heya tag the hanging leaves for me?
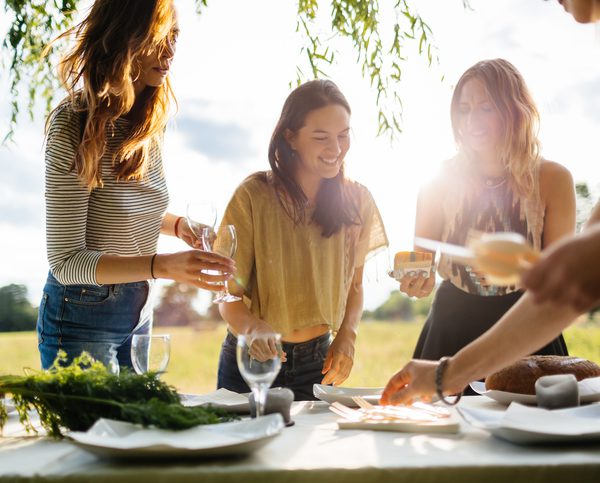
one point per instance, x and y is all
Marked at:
(34, 24)
(381, 60)
(380, 55)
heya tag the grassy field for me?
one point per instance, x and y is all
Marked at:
(382, 348)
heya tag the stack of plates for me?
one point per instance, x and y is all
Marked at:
(529, 425)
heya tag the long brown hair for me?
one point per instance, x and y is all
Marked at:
(98, 74)
(334, 205)
(520, 149)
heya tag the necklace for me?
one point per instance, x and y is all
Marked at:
(494, 182)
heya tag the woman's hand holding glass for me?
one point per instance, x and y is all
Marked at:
(191, 267)
(263, 347)
(199, 215)
(259, 372)
(196, 267)
(224, 242)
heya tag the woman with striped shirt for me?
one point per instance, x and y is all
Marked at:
(106, 196)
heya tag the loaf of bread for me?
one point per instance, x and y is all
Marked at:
(520, 377)
(416, 263)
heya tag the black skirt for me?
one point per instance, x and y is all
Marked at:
(457, 318)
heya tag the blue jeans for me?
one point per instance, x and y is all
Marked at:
(96, 319)
(301, 370)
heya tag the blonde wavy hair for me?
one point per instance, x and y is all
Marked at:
(520, 147)
(99, 74)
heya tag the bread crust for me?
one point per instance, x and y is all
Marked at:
(520, 377)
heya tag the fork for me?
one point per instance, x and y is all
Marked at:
(440, 412)
(363, 403)
(345, 411)
(423, 412)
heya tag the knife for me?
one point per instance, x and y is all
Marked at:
(506, 249)
(458, 253)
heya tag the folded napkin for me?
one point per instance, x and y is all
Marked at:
(221, 397)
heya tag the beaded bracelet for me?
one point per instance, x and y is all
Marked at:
(152, 266)
(439, 373)
(177, 226)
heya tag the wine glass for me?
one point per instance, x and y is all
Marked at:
(200, 215)
(106, 353)
(224, 242)
(259, 375)
(150, 353)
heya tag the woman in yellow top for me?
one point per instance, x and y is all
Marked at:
(304, 231)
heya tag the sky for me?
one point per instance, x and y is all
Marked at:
(232, 72)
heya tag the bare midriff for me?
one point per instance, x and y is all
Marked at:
(308, 333)
(300, 335)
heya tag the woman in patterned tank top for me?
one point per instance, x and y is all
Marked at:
(497, 182)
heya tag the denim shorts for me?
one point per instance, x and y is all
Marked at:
(96, 319)
(301, 370)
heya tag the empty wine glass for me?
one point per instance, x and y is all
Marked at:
(200, 215)
(103, 352)
(150, 353)
(259, 375)
(224, 242)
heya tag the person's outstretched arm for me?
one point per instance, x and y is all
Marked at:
(525, 328)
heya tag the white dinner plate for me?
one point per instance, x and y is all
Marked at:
(221, 398)
(344, 395)
(573, 425)
(589, 392)
(121, 440)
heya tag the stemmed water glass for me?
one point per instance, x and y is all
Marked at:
(200, 215)
(259, 375)
(150, 353)
(224, 242)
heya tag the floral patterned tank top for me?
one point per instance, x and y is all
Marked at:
(472, 206)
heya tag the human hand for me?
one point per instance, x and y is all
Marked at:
(189, 267)
(416, 380)
(186, 234)
(418, 285)
(263, 347)
(568, 273)
(340, 359)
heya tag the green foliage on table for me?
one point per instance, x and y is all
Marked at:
(380, 54)
(75, 396)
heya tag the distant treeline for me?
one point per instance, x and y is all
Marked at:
(176, 308)
(16, 312)
(399, 307)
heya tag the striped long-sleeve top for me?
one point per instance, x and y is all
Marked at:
(120, 218)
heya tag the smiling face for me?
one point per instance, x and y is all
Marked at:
(154, 65)
(479, 122)
(320, 144)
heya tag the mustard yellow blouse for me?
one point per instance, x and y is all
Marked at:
(292, 277)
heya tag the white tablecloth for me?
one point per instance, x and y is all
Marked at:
(315, 450)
